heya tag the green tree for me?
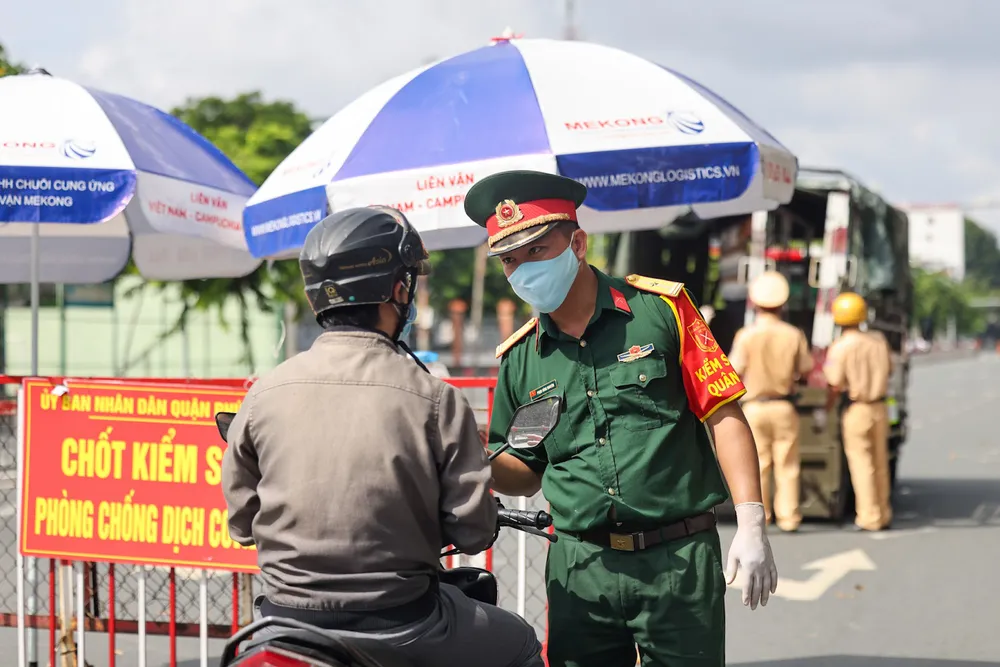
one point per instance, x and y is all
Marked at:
(256, 135)
(7, 66)
(982, 256)
(937, 298)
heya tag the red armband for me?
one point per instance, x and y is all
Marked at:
(709, 379)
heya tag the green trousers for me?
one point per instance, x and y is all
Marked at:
(669, 600)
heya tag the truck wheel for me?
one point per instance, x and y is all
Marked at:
(844, 511)
(895, 449)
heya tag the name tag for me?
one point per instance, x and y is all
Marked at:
(544, 389)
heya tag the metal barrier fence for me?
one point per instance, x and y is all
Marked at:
(145, 600)
(112, 598)
(8, 497)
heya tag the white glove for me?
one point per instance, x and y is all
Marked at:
(751, 552)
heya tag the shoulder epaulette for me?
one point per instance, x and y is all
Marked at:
(516, 336)
(655, 285)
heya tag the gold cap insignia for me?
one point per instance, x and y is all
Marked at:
(508, 213)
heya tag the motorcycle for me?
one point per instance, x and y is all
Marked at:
(292, 643)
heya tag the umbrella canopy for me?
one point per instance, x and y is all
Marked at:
(111, 177)
(648, 142)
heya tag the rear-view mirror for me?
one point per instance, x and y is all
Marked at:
(223, 420)
(531, 423)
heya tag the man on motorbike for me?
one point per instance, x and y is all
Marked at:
(349, 466)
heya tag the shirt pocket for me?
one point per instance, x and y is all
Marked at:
(638, 383)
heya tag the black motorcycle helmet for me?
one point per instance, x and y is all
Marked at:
(355, 257)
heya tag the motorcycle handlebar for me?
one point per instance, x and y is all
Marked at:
(523, 518)
(526, 521)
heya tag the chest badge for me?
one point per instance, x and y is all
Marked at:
(551, 385)
(636, 352)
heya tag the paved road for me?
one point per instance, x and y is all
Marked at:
(921, 595)
(933, 599)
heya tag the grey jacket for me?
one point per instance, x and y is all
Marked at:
(350, 467)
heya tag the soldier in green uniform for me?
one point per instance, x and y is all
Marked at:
(629, 471)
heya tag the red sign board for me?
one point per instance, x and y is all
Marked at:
(129, 474)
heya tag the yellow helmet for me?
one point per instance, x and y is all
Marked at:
(769, 290)
(849, 310)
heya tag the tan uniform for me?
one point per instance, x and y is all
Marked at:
(860, 364)
(770, 355)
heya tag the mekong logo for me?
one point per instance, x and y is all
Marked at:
(76, 149)
(685, 122)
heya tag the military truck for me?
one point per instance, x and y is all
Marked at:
(835, 235)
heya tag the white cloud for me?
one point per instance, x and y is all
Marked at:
(925, 132)
(319, 53)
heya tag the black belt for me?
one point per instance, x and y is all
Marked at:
(764, 399)
(358, 621)
(638, 541)
(872, 402)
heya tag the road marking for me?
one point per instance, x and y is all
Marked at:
(979, 515)
(985, 513)
(957, 523)
(893, 534)
(830, 571)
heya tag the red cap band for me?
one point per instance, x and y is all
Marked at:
(518, 214)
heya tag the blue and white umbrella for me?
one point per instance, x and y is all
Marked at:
(648, 142)
(109, 177)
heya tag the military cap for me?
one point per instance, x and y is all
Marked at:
(518, 207)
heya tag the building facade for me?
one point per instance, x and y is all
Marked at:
(937, 238)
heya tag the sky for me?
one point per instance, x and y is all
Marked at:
(904, 94)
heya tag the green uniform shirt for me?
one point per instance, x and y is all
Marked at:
(630, 446)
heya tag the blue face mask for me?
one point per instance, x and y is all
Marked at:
(411, 317)
(544, 285)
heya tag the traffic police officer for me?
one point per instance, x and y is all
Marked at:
(858, 364)
(770, 356)
(629, 471)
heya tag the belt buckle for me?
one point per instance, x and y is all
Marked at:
(626, 541)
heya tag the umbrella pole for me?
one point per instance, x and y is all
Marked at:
(35, 270)
(32, 574)
(186, 350)
(478, 285)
